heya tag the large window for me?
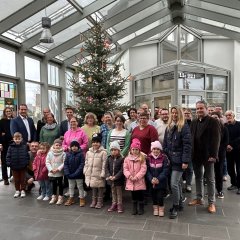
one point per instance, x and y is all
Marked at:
(54, 105)
(143, 85)
(216, 83)
(32, 69)
(33, 100)
(69, 91)
(7, 62)
(191, 81)
(163, 82)
(53, 75)
(143, 99)
(219, 99)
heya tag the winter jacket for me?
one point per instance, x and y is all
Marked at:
(133, 167)
(73, 165)
(94, 169)
(55, 160)
(177, 146)
(39, 167)
(114, 167)
(78, 135)
(158, 168)
(17, 156)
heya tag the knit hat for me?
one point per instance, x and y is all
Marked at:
(97, 137)
(156, 144)
(74, 143)
(136, 144)
(58, 141)
(115, 145)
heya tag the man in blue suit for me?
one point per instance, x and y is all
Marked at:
(23, 124)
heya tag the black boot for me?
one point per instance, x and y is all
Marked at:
(181, 205)
(173, 212)
(134, 210)
(141, 208)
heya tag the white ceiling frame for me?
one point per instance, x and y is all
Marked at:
(234, 4)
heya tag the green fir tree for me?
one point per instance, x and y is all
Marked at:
(98, 86)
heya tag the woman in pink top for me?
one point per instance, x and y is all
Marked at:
(77, 134)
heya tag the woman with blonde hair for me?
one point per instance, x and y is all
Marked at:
(90, 127)
(177, 146)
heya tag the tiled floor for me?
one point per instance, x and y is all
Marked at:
(25, 219)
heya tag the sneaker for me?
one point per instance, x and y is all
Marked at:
(220, 195)
(211, 208)
(60, 200)
(40, 197)
(196, 202)
(224, 178)
(67, 194)
(46, 198)
(17, 194)
(53, 199)
(232, 187)
(23, 194)
(189, 188)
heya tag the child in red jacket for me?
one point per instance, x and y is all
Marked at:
(41, 171)
(134, 169)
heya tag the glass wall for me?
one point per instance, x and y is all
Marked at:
(190, 80)
(54, 103)
(163, 81)
(7, 62)
(53, 75)
(32, 69)
(143, 85)
(69, 91)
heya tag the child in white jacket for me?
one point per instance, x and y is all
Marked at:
(54, 163)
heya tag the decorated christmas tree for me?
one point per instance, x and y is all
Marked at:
(98, 85)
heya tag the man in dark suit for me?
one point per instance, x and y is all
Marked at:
(206, 135)
(23, 124)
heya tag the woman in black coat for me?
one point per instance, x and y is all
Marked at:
(5, 140)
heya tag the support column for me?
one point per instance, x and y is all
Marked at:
(44, 80)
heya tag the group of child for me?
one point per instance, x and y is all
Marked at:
(94, 169)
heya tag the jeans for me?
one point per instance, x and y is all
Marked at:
(210, 177)
(46, 189)
(188, 174)
(72, 183)
(225, 172)
(176, 186)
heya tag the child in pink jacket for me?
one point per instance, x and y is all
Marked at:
(41, 171)
(134, 169)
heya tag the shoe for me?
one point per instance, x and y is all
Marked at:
(46, 198)
(134, 208)
(161, 211)
(99, 204)
(40, 197)
(113, 207)
(60, 200)
(6, 182)
(141, 208)
(11, 179)
(69, 202)
(82, 202)
(155, 210)
(173, 212)
(196, 202)
(232, 187)
(53, 199)
(23, 194)
(94, 202)
(220, 195)
(17, 194)
(181, 204)
(224, 178)
(238, 191)
(189, 188)
(211, 208)
(120, 208)
(67, 194)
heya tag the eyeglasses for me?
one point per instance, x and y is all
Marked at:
(143, 118)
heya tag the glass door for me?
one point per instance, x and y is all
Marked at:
(162, 100)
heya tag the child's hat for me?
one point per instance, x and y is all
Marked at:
(115, 145)
(58, 141)
(156, 144)
(74, 143)
(136, 144)
(97, 137)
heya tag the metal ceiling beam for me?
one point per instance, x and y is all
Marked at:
(212, 29)
(68, 21)
(234, 4)
(22, 14)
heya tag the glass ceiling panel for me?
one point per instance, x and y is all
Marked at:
(72, 51)
(9, 7)
(33, 25)
(84, 3)
(139, 16)
(145, 29)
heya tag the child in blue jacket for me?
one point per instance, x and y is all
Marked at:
(73, 170)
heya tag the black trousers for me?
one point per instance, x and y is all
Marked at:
(138, 195)
(233, 167)
(57, 182)
(218, 168)
(4, 164)
(158, 196)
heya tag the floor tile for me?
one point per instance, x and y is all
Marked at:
(133, 234)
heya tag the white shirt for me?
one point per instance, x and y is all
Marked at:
(25, 121)
(161, 127)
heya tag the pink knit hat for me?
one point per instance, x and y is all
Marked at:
(136, 144)
(156, 144)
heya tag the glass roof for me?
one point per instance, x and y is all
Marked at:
(223, 17)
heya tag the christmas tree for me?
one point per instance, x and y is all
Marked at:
(97, 85)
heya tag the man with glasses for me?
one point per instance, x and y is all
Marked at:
(233, 151)
(23, 124)
(42, 122)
